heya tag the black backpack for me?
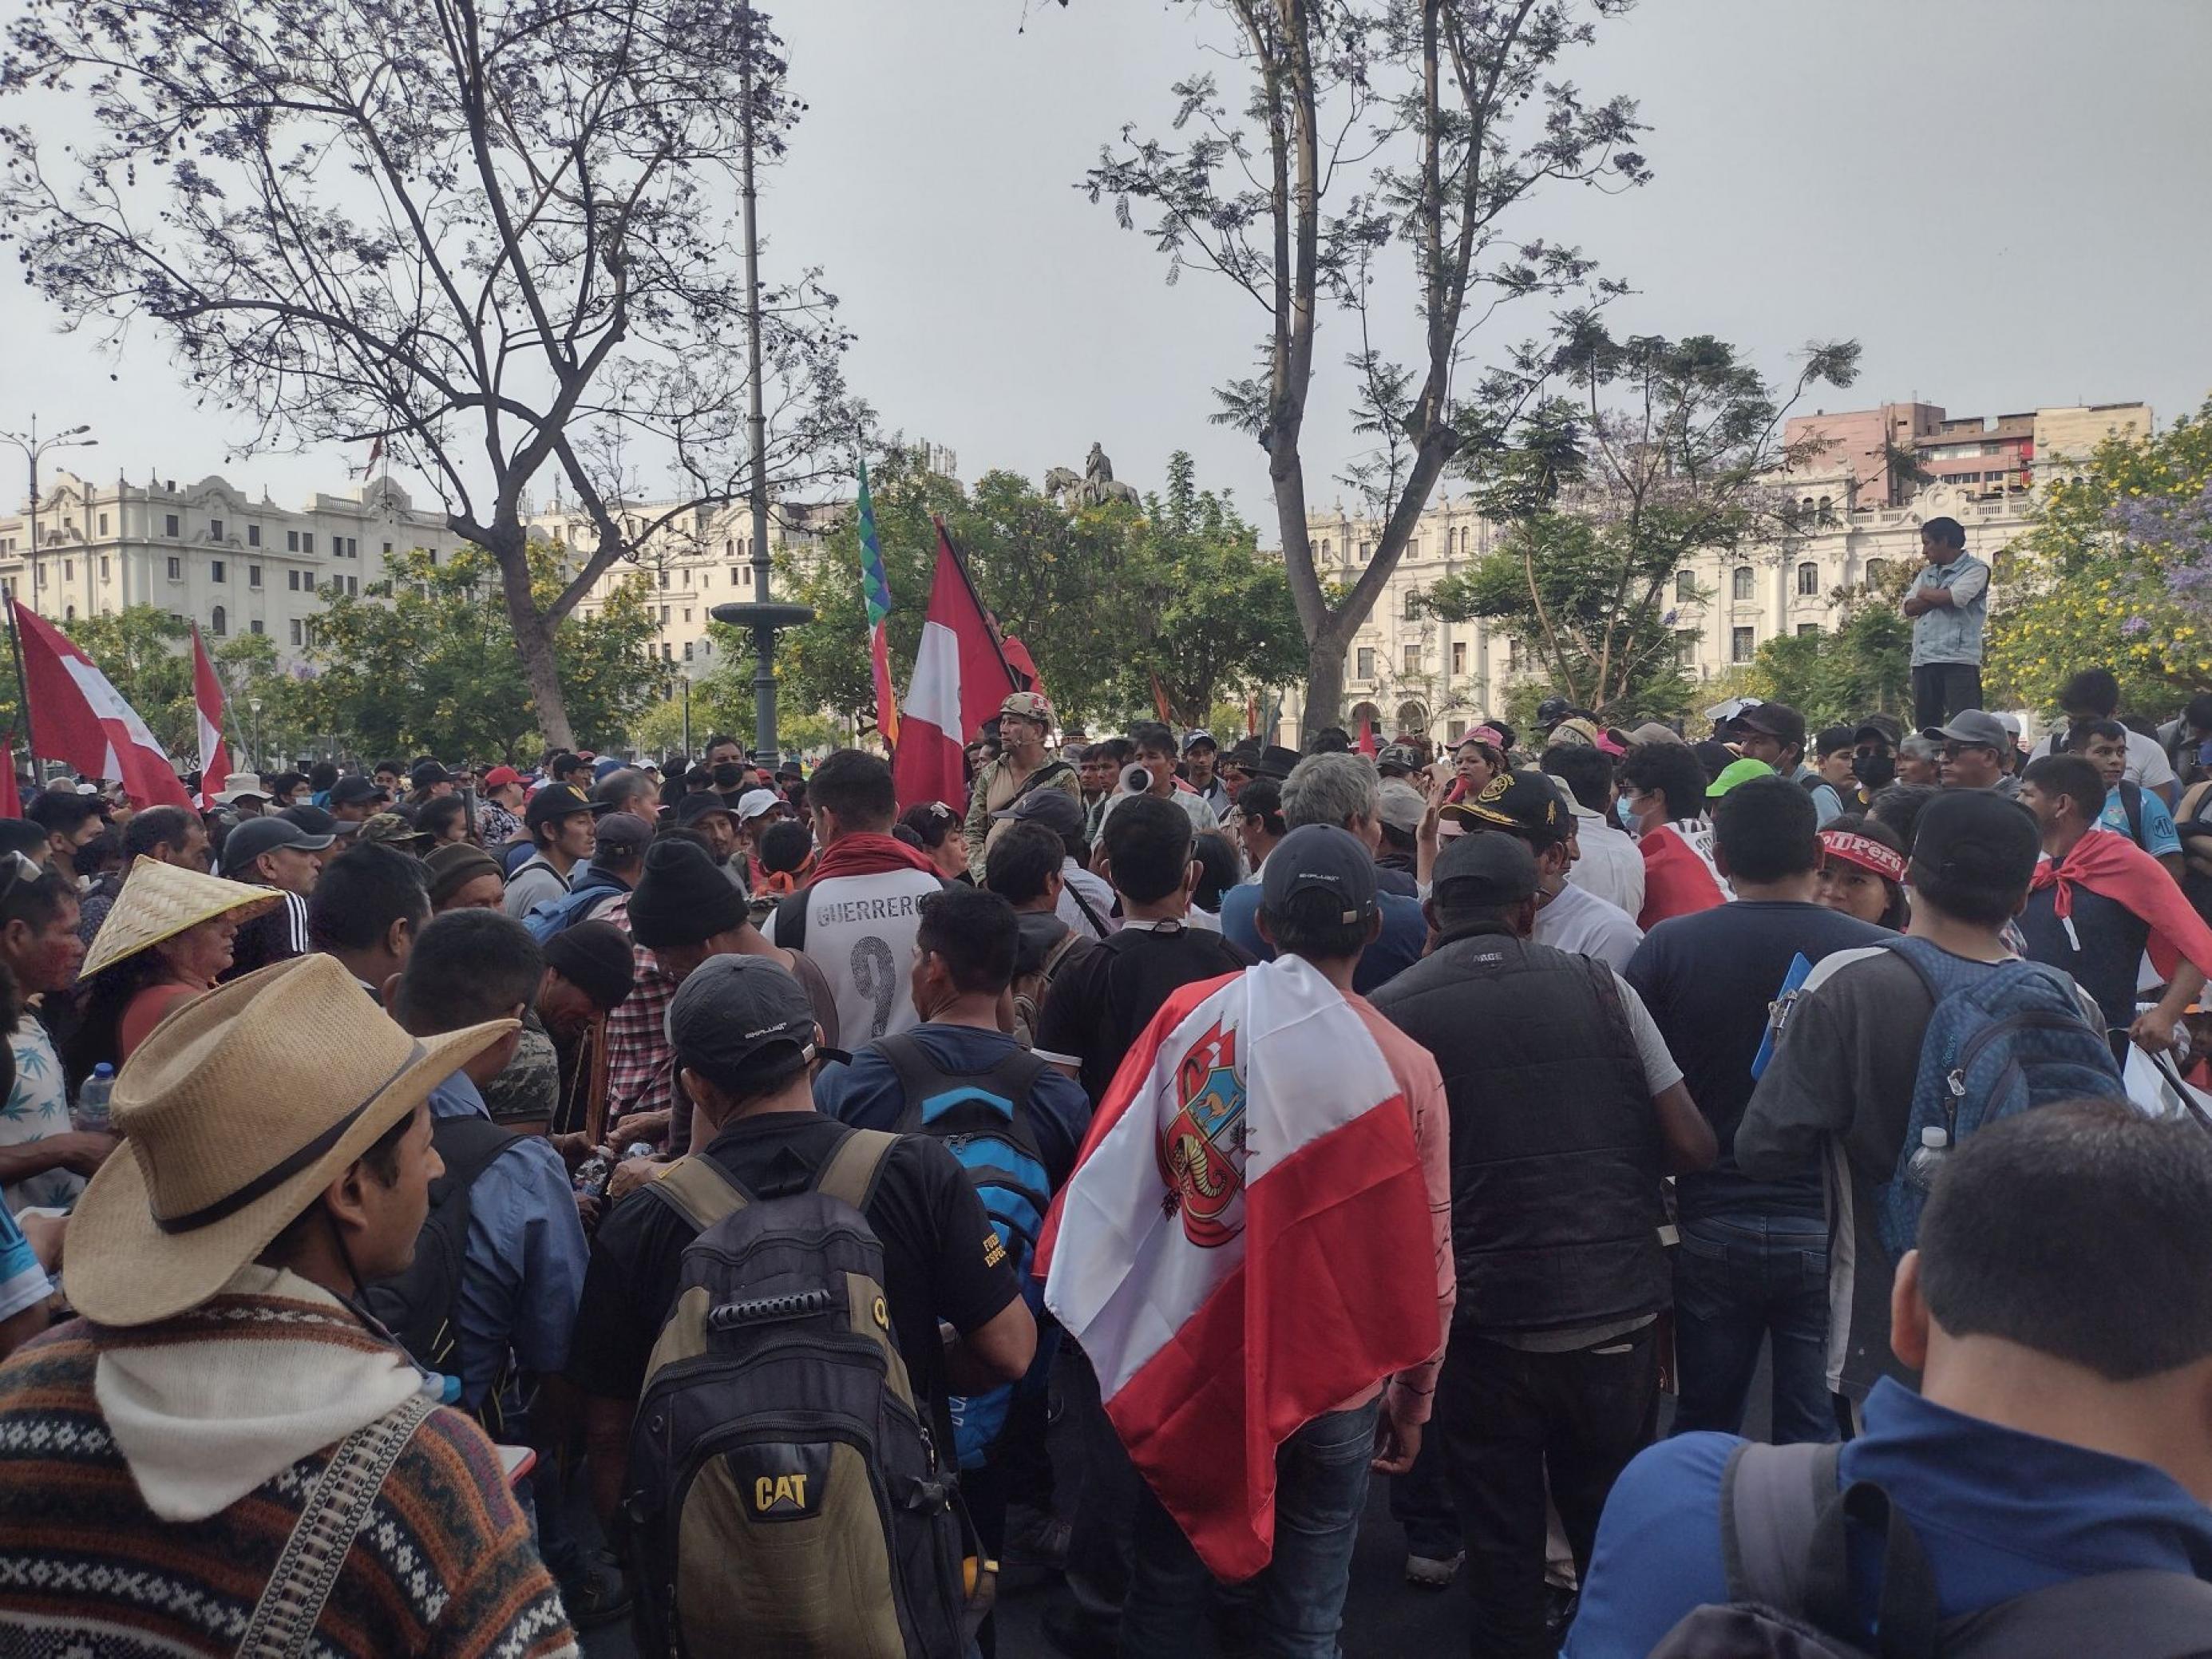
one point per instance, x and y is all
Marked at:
(786, 1497)
(417, 1304)
(1784, 1536)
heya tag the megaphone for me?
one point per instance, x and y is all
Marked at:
(1135, 780)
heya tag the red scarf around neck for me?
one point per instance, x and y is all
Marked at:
(869, 854)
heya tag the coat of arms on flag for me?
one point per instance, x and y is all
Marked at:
(1202, 1153)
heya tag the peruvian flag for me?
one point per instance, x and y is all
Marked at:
(207, 695)
(1367, 736)
(1680, 876)
(11, 793)
(79, 718)
(1245, 1243)
(960, 679)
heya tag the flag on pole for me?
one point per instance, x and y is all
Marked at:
(1367, 736)
(83, 721)
(875, 590)
(960, 679)
(1160, 702)
(207, 696)
(1244, 1244)
(11, 793)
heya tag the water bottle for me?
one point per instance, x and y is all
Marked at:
(91, 1114)
(1927, 1159)
(593, 1175)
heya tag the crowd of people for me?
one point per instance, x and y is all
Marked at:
(450, 1208)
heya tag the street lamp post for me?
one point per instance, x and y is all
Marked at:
(760, 614)
(34, 449)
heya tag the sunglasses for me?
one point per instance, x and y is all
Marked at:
(1952, 750)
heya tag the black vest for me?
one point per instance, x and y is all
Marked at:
(1555, 1156)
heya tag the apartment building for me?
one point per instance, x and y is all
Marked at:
(207, 552)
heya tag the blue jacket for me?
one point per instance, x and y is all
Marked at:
(522, 1270)
(1951, 632)
(2000, 1512)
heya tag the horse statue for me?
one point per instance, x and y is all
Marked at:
(1095, 488)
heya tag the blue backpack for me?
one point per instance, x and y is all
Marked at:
(2004, 1038)
(551, 917)
(982, 1118)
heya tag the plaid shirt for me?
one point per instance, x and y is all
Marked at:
(640, 1065)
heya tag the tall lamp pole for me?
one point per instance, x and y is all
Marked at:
(760, 614)
(34, 449)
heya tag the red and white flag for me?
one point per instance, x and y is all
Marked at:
(207, 696)
(960, 679)
(1680, 876)
(1244, 1244)
(78, 718)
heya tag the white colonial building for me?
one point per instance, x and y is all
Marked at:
(1860, 516)
(207, 552)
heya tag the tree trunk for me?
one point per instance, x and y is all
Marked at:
(1324, 681)
(533, 634)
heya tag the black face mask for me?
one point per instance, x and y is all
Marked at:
(728, 776)
(1875, 771)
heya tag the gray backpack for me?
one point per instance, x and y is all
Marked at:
(787, 1499)
(1783, 1534)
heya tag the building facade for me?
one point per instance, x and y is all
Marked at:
(693, 563)
(1861, 484)
(207, 552)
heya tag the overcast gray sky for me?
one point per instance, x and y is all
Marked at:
(2008, 203)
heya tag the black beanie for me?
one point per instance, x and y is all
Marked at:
(682, 898)
(595, 958)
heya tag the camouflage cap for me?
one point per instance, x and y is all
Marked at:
(1029, 705)
(393, 830)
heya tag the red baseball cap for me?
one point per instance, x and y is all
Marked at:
(500, 776)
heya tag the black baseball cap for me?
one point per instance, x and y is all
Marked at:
(313, 819)
(257, 835)
(1776, 719)
(1525, 803)
(733, 1013)
(624, 830)
(692, 808)
(1320, 857)
(1055, 809)
(429, 773)
(1195, 738)
(554, 801)
(357, 791)
(1977, 838)
(1887, 727)
(1482, 872)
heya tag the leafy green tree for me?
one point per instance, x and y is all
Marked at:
(1102, 597)
(1610, 499)
(1216, 615)
(2115, 571)
(1862, 666)
(427, 661)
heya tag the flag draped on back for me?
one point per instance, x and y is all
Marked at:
(960, 679)
(81, 719)
(875, 590)
(2114, 867)
(207, 696)
(1244, 1244)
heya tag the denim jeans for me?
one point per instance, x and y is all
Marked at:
(1740, 1277)
(1508, 1419)
(1297, 1600)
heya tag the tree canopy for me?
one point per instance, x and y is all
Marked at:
(2114, 571)
(1104, 598)
(426, 662)
(1663, 455)
(493, 239)
(1362, 130)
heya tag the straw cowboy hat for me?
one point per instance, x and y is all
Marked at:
(160, 901)
(237, 1110)
(242, 786)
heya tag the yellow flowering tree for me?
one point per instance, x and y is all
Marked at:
(2116, 572)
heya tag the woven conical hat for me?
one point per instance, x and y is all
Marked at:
(159, 901)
